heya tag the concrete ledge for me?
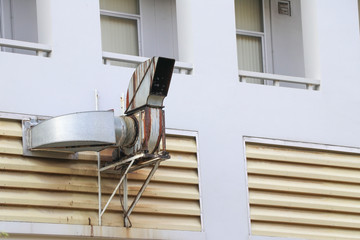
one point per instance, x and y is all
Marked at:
(28, 230)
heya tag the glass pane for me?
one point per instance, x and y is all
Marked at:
(249, 15)
(249, 51)
(124, 6)
(119, 35)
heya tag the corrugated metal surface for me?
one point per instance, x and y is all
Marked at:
(65, 191)
(303, 193)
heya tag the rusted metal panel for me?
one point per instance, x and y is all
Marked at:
(149, 84)
(150, 123)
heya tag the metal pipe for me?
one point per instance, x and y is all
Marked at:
(99, 187)
(117, 186)
(98, 161)
(125, 197)
(122, 162)
(142, 189)
(125, 131)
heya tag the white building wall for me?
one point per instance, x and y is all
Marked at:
(211, 101)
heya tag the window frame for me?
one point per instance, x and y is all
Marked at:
(127, 16)
(265, 36)
(260, 35)
(1, 19)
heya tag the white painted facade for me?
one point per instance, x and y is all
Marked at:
(211, 100)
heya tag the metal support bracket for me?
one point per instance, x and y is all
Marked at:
(123, 168)
(141, 191)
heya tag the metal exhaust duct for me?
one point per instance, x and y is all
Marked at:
(140, 130)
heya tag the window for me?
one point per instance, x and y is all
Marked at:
(18, 21)
(269, 37)
(359, 11)
(120, 26)
(250, 35)
(139, 27)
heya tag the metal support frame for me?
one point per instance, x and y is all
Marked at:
(123, 167)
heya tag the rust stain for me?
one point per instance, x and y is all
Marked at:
(91, 228)
(161, 134)
(127, 99)
(128, 233)
(147, 127)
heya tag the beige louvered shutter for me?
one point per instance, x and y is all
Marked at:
(64, 191)
(303, 193)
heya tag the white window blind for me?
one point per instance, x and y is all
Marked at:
(139, 27)
(249, 15)
(124, 6)
(119, 35)
(250, 36)
(250, 53)
(119, 26)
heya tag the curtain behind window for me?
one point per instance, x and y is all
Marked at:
(119, 34)
(249, 17)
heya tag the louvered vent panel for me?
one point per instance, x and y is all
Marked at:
(65, 191)
(303, 193)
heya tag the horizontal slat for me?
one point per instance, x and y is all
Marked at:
(87, 217)
(11, 145)
(183, 65)
(303, 171)
(153, 221)
(89, 184)
(285, 215)
(302, 156)
(90, 201)
(281, 78)
(24, 45)
(304, 186)
(10, 128)
(72, 167)
(163, 174)
(167, 175)
(181, 160)
(124, 57)
(177, 159)
(181, 144)
(315, 202)
(302, 231)
(137, 60)
(165, 190)
(88, 156)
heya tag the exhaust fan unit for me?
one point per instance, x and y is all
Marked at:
(135, 137)
(140, 130)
